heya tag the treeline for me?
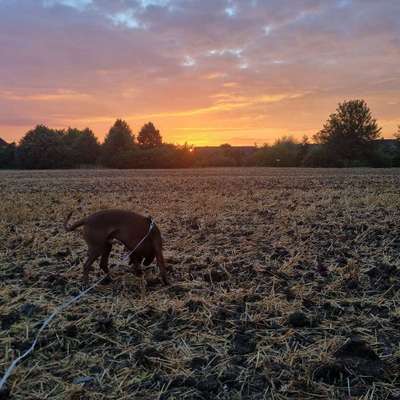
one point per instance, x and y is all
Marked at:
(46, 148)
(349, 138)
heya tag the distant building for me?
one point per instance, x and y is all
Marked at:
(207, 150)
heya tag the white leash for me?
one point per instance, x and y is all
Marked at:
(45, 323)
(58, 310)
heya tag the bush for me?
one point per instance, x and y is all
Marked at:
(319, 156)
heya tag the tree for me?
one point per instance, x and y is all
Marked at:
(318, 156)
(396, 158)
(227, 155)
(350, 132)
(303, 150)
(81, 147)
(149, 136)
(118, 141)
(41, 148)
(397, 134)
(284, 152)
(7, 154)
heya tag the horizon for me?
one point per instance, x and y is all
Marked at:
(204, 72)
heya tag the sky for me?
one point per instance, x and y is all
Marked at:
(204, 72)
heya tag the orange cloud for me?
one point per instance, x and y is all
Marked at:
(58, 95)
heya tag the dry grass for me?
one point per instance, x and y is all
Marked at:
(249, 248)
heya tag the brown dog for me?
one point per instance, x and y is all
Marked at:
(99, 230)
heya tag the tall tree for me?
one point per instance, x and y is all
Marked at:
(350, 132)
(41, 148)
(82, 146)
(149, 136)
(117, 143)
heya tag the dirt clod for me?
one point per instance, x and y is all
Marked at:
(71, 330)
(298, 320)
(197, 363)
(356, 347)
(209, 384)
(29, 309)
(216, 275)
(194, 305)
(104, 324)
(5, 393)
(330, 373)
(354, 360)
(9, 319)
(146, 354)
(243, 343)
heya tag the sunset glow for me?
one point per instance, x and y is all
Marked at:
(204, 72)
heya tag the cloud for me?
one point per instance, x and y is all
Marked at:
(125, 19)
(78, 4)
(58, 95)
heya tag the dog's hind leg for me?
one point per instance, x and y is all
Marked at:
(104, 262)
(93, 254)
(161, 266)
(157, 245)
(104, 258)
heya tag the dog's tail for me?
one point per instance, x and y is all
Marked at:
(70, 228)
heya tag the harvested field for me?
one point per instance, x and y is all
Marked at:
(285, 286)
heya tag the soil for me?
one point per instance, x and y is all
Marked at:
(285, 285)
